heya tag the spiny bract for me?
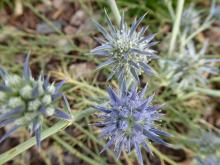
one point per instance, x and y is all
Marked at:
(189, 67)
(26, 101)
(129, 121)
(128, 50)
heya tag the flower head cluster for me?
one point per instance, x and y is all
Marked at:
(209, 160)
(207, 147)
(128, 50)
(209, 142)
(190, 19)
(205, 143)
(26, 101)
(129, 121)
(190, 67)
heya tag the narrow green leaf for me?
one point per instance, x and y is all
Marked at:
(210, 92)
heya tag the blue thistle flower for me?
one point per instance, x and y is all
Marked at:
(209, 160)
(189, 68)
(128, 50)
(190, 19)
(193, 66)
(26, 101)
(208, 143)
(204, 142)
(129, 121)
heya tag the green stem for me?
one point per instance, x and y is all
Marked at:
(215, 79)
(176, 25)
(170, 8)
(8, 155)
(209, 92)
(115, 11)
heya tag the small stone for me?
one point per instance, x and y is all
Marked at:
(57, 3)
(88, 25)
(70, 29)
(78, 18)
(86, 41)
(44, 28)
(64, 44)
(82, 70)
(3, 17)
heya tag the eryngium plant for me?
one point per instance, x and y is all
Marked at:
(189, 68)
(128, 50)
(203, 142)
(209, 160)
(190, 19)
(208, 143)
(129, 121)
(26, 101)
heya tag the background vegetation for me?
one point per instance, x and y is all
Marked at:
(60, 35)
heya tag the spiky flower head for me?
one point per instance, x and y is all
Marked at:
(128, 50)
(130, 121)
(190, 19)
(25, 101)
(208, 143)
(208, 160)
(189, 67)
(203, 142)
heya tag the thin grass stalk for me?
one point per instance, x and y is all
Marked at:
(210, 92)
(176, 27)
(162, 156)
(75, 141)
(97, 140)
(74, 151)
(115, 11)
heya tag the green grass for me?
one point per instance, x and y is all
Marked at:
(184, 114)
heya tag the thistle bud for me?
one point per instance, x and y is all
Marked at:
(26, 91)
(51, 88)
(34, 105)
(50, 111)
(46, 99)
(2, 96)
(15, 102)
(12, 80)
(25, 102)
